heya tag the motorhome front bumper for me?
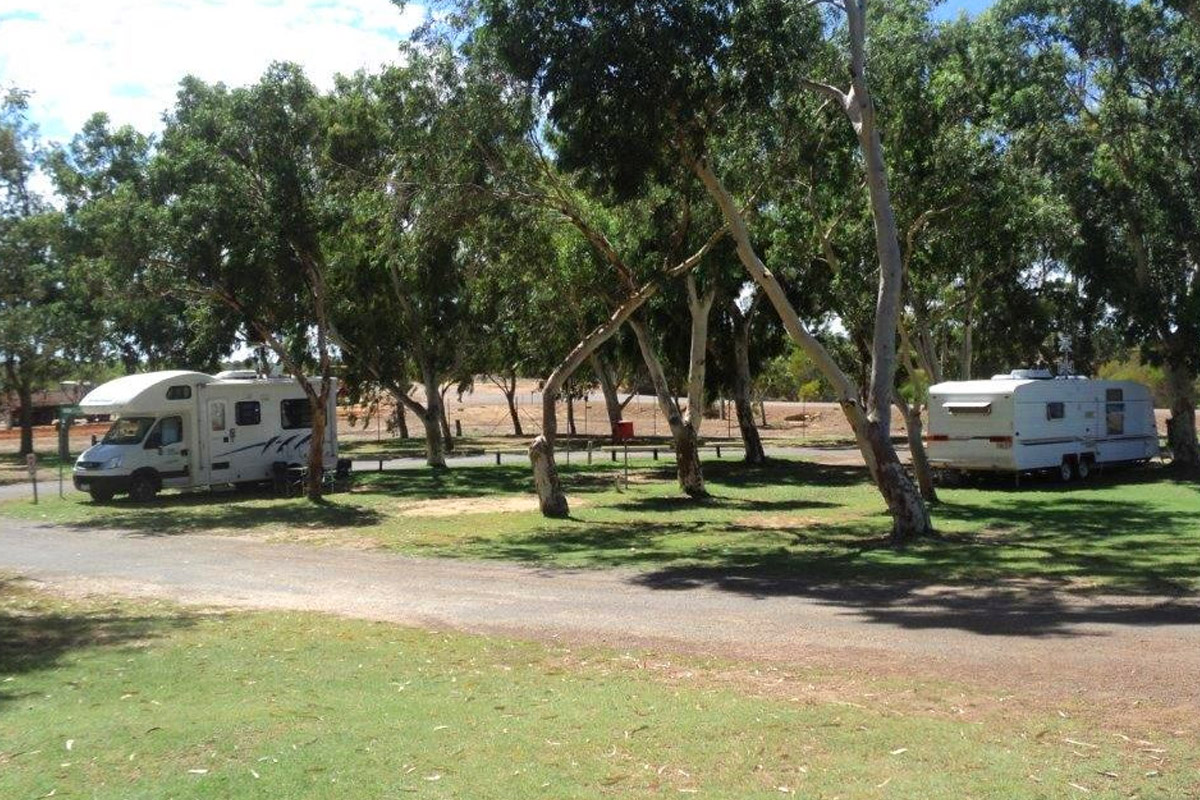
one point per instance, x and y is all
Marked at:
(116, 484)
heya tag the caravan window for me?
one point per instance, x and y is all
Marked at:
(968, 407)
(247, 412)
(179, 392)
(1055, 410)
(295, 414)
(1114, 411)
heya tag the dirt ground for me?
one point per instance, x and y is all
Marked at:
(484, 414)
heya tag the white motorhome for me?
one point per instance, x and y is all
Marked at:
(1028, 421)
(179, 429)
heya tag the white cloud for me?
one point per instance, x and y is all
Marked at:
(126, 57)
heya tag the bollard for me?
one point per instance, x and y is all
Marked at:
(31, 465)
(655, 452)
(614, 455)
(381, 464)
(497, 458)
(589, 453)
(458, 428)
(718, 451)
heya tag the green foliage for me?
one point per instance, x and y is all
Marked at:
(43, 328)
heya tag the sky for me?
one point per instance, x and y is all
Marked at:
(126, 57)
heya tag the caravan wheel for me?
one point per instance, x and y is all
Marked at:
(1084, 468)
(1066, 471)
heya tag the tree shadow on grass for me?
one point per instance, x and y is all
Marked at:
(1030, 570)
(681, 503)
(1030, 609)
(173, 515)
(36, 638)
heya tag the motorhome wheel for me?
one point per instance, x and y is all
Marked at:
(101, 495)
(143, 486)
(1066, 471)
(1083, 469)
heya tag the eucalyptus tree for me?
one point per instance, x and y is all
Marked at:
(242, 222)
(110, 234)
(411, 153)
(636, 86)
(42, 329)
(1106, 95)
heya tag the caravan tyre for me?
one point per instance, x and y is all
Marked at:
(1084, 469)
(143, 486)
(1066, 471)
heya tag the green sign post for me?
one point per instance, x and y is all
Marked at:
(66, 414)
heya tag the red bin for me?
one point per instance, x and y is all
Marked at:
(623, 431)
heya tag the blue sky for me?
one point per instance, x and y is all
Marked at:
(126, 57)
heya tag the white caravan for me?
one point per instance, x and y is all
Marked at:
(180, 429)
(1027, 421)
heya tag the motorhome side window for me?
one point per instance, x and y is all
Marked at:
(295, 414)
(179, 393)
(168, 431)
(1114, 411)
(1056, 410)
(247, 412)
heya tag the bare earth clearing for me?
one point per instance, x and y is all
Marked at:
(1021, 643)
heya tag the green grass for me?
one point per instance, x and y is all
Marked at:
(1136, 530)
(120, 700)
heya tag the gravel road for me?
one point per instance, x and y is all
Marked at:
(1022, 638)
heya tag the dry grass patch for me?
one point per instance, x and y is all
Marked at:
(457, 506)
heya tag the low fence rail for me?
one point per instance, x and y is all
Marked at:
(590, 453)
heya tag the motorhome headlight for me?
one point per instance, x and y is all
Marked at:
(112, 463)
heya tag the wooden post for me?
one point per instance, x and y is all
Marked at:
(31, 465)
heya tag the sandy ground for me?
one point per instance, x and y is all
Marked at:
(484, 413)
(1027, 640)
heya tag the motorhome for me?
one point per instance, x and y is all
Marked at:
(180, 429)
(1029, 420)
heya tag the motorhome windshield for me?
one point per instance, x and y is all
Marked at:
(128, 430)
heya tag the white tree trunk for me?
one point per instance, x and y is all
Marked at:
(909, 516)
(741, 388)
(608, 387)
(683, 433)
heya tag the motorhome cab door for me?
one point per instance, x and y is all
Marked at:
(169, 438)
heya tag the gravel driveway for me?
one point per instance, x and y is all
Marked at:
(1027, 638)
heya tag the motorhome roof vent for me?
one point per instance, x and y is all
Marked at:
(1025, 375)
(237, 375)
